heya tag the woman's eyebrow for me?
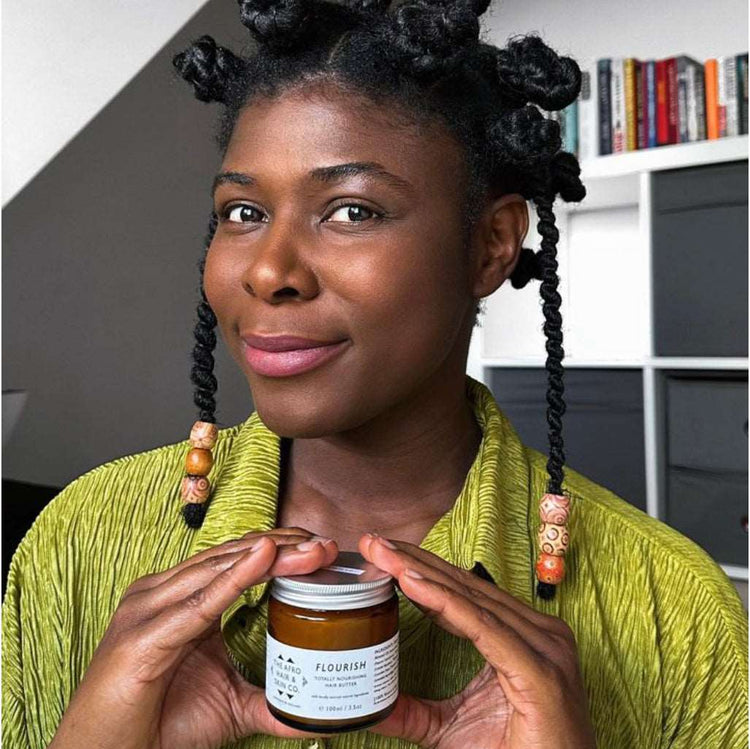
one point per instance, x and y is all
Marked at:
(327, 174)
(353, 168)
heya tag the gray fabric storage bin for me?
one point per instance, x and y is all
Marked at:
(709, 508)
(707, 484)
(700, 260)
(602, 426)
(707, 423)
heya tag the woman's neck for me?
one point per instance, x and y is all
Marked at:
(395, 475)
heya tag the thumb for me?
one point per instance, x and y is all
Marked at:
(413, 719)
(252, 715)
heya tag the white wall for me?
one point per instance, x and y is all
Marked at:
(63, 61)
(589, 29)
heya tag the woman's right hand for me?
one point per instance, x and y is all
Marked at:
(160, 677)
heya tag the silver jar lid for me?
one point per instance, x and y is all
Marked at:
(351, 582)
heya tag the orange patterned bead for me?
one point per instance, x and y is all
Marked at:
(195, 489)
(550, 569)
(203, 435)
(198, 462)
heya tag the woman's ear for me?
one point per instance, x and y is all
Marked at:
(498, 240)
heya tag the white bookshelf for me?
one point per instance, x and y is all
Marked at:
(611, 228)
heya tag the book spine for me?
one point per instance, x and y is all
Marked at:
(662, 134)
(711, 70)
(619, 124)
(733, 125)
(631, 105)
(682, 101)
(571, 127)
(604, 69)
(641, 100)
(587, 132)
(721, 98)
(562, 122)
(692, 108)
(742, 92)
(651, 98)
(673, 135)
(700, 102)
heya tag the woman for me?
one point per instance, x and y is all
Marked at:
(376, 167)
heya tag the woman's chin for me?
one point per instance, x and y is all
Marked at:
(286, 420)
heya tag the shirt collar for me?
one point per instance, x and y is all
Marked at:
(488, 524)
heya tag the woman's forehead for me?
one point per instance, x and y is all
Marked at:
(295, 134)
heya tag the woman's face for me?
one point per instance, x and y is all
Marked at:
(371, 254)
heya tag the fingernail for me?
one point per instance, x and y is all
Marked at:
(321, 539)
(387, 543)
(243, 555)
(307, 545)
(413, 573)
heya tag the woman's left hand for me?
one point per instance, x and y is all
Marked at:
(530, 693)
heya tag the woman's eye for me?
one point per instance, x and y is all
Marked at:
(242, 214)
(352, 213)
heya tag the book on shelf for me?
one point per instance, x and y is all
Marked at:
(628, 104)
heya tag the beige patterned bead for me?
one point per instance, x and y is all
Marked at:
(195, 489)
(198, 462)
(553, 539)
(554, 508)
(203, 435)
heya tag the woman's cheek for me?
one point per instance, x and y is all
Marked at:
(222, 284)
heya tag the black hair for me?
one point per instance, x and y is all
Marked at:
(425, 59)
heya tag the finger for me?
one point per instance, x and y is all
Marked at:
(404, 556)
(502, 645)
(303, 558)
(291, 559)
(189, 618)
(413, 719)
(280, 536)
(255, 718)
(539, 630)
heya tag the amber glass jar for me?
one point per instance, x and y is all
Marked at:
(332, 647)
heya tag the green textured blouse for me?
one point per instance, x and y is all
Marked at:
(661, 632)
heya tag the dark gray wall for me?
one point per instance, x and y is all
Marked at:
(100, 276)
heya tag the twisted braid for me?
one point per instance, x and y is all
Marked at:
(202, 372)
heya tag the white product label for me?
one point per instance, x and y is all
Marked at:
(331, 684)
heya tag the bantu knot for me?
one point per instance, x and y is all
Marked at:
(525, 136)
(565, 171)
(527, 268)
(277, 23)
(209, 68)
(528, 67)
(431, 36)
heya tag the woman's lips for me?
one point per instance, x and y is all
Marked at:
(292, 362)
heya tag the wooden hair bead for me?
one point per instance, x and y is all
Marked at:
(550, 569)
(554, 508)
(203, 435)
(553, 539)
(195, 489)
(198, 462)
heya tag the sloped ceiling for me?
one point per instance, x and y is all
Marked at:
(63, 62)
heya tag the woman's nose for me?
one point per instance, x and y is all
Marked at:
(277, 269)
